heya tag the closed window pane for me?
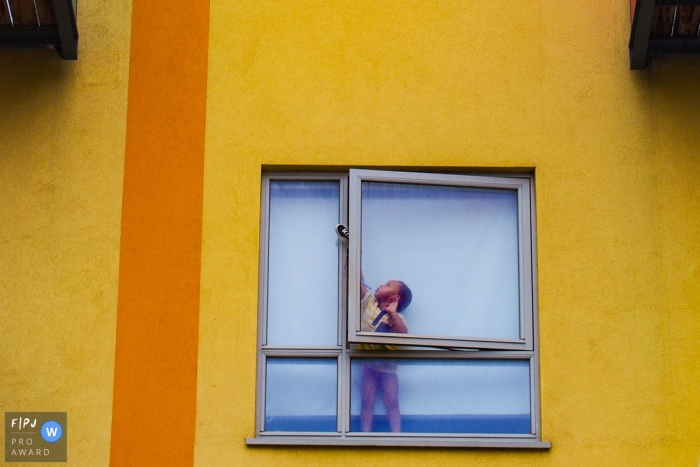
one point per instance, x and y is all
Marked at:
(302, 298)
(441, 396)
(456, 248)
(301, 395)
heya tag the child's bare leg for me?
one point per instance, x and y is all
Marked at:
(369, 395)
(390, 391)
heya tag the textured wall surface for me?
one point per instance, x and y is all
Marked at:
(61, 163)
(474, 84)
(480, 85)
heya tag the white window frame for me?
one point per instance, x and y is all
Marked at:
(344, 352)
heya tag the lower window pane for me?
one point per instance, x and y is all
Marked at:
(441, 396)
(301, 394)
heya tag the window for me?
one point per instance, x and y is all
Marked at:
(441, 351)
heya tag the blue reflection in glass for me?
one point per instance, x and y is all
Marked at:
(301, 394)
(442, 396)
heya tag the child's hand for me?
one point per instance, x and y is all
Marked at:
(395, 321)
(391, 305)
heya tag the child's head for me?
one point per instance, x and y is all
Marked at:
(393, 289)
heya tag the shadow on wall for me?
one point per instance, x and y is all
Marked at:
(33, 84)
(676, 102)
(28, 72)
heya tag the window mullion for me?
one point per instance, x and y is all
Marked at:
(344, 393)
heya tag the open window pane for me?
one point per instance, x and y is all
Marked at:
(301, 395)
(302, 294)
(441, 396)
(455, 247)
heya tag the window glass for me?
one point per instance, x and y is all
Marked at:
(456, 248)
(441, 396)
(301, 395)
(302, 294)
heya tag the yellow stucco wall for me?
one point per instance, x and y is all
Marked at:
(474, 84)
(62, 128)
(456, 83)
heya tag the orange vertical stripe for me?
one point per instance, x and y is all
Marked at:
(155, 376)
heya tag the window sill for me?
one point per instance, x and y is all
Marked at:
(398, 442)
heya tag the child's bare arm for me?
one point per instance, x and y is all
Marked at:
(363, 287)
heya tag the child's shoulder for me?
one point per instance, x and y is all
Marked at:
(368, 300)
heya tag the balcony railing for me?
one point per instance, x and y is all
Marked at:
(40, 23)
(663, 27)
